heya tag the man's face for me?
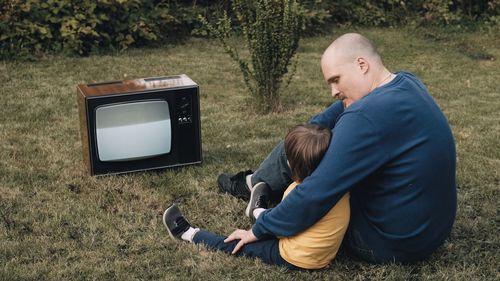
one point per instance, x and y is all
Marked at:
(345, 77)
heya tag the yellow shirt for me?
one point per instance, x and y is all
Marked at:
(316, 246)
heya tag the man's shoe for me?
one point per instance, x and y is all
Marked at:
(175, 222)
(259, 198)
(235, 185)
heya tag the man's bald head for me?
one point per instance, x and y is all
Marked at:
(352, 67)
(350, 46)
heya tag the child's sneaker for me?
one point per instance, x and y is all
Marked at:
(175, 222)
(259, 198)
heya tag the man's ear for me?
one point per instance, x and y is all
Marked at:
(363, 65)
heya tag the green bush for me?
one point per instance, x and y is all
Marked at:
(271, 29)
(30, 28)
(315, 16)
(419, 12)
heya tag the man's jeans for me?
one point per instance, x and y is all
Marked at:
(266, 250)
(274, 171)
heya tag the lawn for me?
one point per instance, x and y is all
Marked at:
(59, 223)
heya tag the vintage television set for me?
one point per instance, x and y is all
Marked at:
(141, 124)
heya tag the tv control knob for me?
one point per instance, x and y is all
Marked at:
(180, 120)
(184, 119)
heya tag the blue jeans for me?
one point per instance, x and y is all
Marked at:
(266, 250)
(274, 171)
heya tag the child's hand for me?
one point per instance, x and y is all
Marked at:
(245, 237)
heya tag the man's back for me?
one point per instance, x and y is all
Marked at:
(398, 210)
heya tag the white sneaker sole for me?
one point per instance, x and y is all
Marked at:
(165, 222)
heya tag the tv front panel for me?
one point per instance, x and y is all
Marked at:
(141, 124)
(135, 130)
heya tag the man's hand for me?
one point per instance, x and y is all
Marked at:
(245, 237)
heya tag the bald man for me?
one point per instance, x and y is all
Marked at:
(391, 148)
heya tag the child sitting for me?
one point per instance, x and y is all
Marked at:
(313, 248)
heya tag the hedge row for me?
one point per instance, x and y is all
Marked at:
(417, 12)
(31, 28)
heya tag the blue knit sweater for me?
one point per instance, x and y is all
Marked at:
(394, 151)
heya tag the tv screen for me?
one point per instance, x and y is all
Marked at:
(131, 131)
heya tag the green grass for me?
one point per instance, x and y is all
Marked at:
(58, 223)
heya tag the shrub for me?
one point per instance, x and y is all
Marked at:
(271, 29)
(420, 12)
(315, 16)
(30, 28)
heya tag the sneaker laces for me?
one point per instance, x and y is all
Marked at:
(261, 202)
(238, 182)
(182, 225)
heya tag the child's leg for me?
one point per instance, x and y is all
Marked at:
(266, 250)
(179, 228)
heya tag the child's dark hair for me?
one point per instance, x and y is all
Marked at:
(305, 146)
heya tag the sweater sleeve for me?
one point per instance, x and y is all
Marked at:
(328, 117)
(354, 153)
